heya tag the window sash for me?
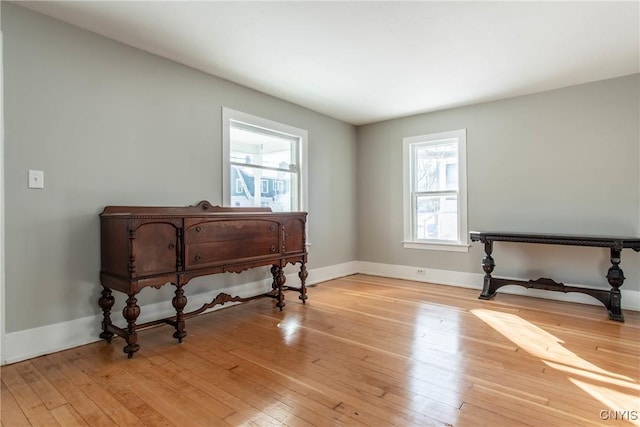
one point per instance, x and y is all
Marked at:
(296, 167)
(417, 148)
(446, 187)
(275, 142)
(414, 214)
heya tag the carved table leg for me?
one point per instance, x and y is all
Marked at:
(615, 276)
(106, 302)
(303, 278)
(274, 273)
(179, 302)
(487, 265)
(131, 313)
(279, 279)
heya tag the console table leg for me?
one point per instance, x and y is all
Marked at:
(487, 265)
(106, 302)
(131, 313)
(303, 278)
(615, 276)
(179, 302)
(280, 278)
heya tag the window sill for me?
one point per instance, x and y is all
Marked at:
(433, 246)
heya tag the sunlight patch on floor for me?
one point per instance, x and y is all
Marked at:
(422, 348)
(599, 383)
(613, 399)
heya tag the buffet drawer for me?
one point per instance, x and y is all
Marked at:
(198, 231)
(209, 243)
(218, 253)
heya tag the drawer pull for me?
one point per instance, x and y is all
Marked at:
(198, 229)
(273, 248)
(273, 227)
(172, 245)
(198, 257)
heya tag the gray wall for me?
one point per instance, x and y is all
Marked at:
(563, 161)
(112, 125)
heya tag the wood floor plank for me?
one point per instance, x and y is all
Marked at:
(119, 414)
(47, 393)
(360, 374)
(317, 408)
(28, 401)
(352, 400)
(10, 412)
(91, 413)
(363, 350)
(253, 399)
(282, 384)
(175, 387)
(67, 416)
(472, 415)
(497, 400)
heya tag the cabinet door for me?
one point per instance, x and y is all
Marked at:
(155, 249)
(294, 235)
(210, 243)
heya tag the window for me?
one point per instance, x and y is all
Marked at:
(435, 196)
(264, 163)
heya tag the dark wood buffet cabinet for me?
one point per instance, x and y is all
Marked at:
(152, 246)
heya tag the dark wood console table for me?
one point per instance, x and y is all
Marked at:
(153, 246)
(611, 299)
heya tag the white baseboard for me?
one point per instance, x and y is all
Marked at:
(22, 345)
(323, 274)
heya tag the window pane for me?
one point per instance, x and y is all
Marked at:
(264, 162)
(436, 217)
(275, 189)
(436, 167)
(452, 176)
(255, 146)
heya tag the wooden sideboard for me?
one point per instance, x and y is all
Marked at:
(609, 298)
(145, 246)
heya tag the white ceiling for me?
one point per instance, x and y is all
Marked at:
(364, 62)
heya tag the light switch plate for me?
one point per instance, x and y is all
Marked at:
(36, 179)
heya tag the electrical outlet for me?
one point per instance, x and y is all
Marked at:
(420, 271)
(36, 179)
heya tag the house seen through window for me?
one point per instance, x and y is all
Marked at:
(266, 163)
(435, 189)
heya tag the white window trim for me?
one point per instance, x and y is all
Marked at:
(227, 116)
(461, 245)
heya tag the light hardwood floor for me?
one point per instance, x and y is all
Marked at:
(363, 351)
